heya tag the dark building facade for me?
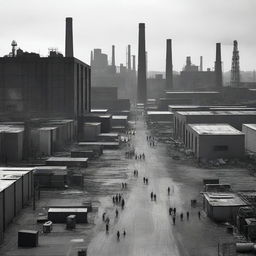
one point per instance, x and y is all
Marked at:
(52, 86)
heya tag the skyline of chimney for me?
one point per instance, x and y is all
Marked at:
(133, 62)
(168, 66)
(129, 57)
(218, 67)
(69, 51)
(142, 76)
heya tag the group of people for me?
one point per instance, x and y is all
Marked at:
(118, 234)
(153, 196)
(118, 199)
(124, 185)
(140, 156)
(151, 140)
(131, 132)
(145, 180)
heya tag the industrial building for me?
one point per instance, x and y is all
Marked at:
(249, 131)
(45, 86)
(160, 116)
(16, 189)
(213, 141)
(233, 118)
(222, 207)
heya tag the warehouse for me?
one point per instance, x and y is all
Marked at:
(213, 141)
(67, 161)
(16, 188)
(250, 137)
(91, 130)
(11, 143)
(233, 118)
(222, 207)
(160, 116)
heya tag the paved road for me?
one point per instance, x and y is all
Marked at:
(148, 225)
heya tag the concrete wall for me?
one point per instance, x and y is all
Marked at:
(250, 138)
(9, 211)
(50, 86)
(1, 216)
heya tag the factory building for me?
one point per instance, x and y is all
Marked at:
(222, 207)
(250, 137)
(213, 141)
(233, 118)
(31, 85)
(16, 189)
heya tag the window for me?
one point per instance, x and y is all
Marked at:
(220, 148)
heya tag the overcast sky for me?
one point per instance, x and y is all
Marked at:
(194, 25)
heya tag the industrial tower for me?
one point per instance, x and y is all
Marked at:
(235, 69)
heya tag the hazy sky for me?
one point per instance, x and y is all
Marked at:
(194, 25)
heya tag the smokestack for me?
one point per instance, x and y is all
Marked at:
(133, 63)
(129, 57)
(69, 38)
(218, 68)
(142, 76)
(201, 63)
(168, 67)
(113, 56)
(91, 60)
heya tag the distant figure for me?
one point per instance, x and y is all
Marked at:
(151, 195)
(199, 215)
(174, 211)
(168, 191)
(116, 213)
(170, 211)
(118, 235)
(103, 216)
(143, 156)
(181, 216)
(187, 215)
(154, 197)
(123, 203)
(173, 220)
(125, 185)
(147, 181)
(114, 200)
(124, 233)
(144, 180)
(106, 228)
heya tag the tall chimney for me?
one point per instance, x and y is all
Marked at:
(91, 60)
(201, 63)
(218, 68)
(168, 67)
(133, 63)
(113, 56)
(129, 57)
(142, 76)
(69, 38)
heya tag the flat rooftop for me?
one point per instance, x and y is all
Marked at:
(159, 113)
(191, 92)
(121, 117)
(84, 210)
(224, 199)
(11, 129)
(212, 113)
(215, 129)
(47, 128)
(91, 123)
(5, 184)
(99, 110)
(103, 143)
(251, 126)
(108, 135)
(67, 159)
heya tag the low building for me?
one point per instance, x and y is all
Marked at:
(233, 118)
(222, 207)
(250, 137)
(160, 116)
(213, 141)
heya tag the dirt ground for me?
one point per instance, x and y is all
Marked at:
(149, 228)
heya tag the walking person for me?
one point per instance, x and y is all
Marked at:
(170, 211)
(173, 220)
(107, 228)
(181, 216)
(118, 235)
(187, 215)
(199, 215)
(116, 213)
(152, 196)
(174, 211)
(123, 203)
(124, 233)
(168, 191)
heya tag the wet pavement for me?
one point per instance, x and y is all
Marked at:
(149, 228)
